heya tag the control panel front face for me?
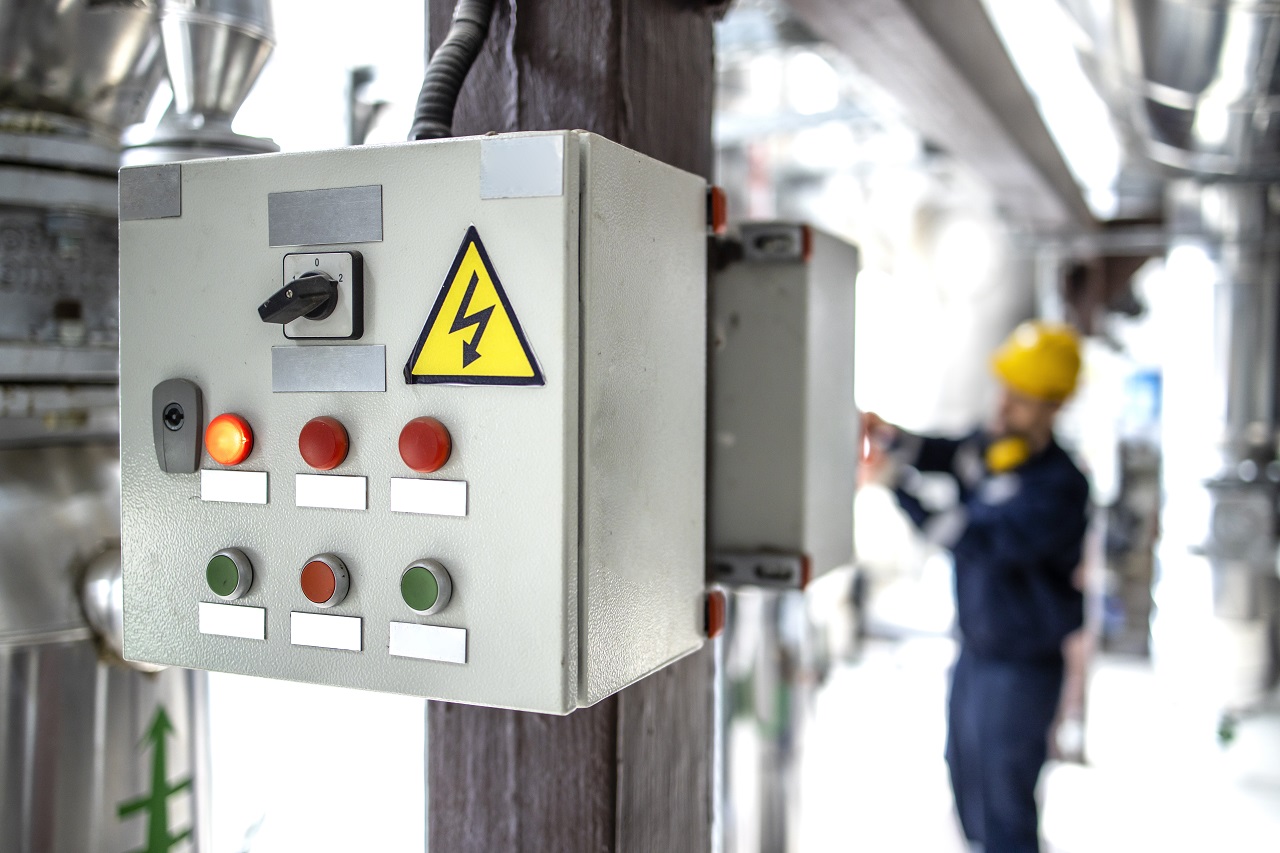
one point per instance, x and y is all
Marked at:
(350, 423)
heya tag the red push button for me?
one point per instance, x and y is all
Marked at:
(323, 443)
(425, 445)
(325, 580)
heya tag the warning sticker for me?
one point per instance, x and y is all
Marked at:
(472, 336)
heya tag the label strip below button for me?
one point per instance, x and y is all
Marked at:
(233, 620)
(429, 497)
(330, 491)
(428, 642)
(237, 487)
(325, 632)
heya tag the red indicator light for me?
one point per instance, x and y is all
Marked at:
(324, 443)
(228, 439)
(425, 445)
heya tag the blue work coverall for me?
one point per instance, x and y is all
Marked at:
(1016, 538)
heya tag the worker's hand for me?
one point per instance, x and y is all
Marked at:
(877, 466)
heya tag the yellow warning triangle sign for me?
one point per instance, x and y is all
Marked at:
(472, 336)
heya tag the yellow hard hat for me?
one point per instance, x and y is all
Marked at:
(1040, 360)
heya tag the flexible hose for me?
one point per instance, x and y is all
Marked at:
(433, 118)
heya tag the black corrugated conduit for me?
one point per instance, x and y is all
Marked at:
(433, 118)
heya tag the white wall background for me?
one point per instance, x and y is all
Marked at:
(300, 98)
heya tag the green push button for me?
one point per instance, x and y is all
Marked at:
(229, 573)
(426, 587)
(222, 575)
(419, 588)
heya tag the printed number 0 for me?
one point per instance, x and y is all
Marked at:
(317, 262)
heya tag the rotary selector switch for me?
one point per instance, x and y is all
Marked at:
(331, 287)
(325, 580)
(313, 295)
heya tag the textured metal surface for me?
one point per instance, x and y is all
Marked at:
(84, 58)
(759, 568)
(325, 216)
(92, 195)
(101, 594)
(643, 415)
(59, 508)
(33, 414)
(46, 148)
(152, 192)
(772, 241)
(50, 363)
(78, 745)
(782, 473)
(52, 257)
(514, 558)
(328, 369)
(72, 747)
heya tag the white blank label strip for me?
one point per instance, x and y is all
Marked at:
(233, 620)
(237, 487)
(429, 497)
(429, 642)
(325, 632)
(328, 491)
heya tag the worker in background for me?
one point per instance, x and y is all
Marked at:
(1016, 533)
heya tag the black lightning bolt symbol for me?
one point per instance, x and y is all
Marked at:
(480, 320)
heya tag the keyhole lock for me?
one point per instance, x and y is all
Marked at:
(173, 417)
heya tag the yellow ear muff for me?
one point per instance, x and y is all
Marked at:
(1005, 454)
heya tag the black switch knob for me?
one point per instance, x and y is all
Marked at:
(313, 295)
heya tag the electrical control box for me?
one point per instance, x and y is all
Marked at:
(784, 426)
(425, 418)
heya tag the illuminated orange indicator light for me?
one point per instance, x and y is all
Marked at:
(228, 439)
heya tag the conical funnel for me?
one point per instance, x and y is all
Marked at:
(91, 61)
(215, 50)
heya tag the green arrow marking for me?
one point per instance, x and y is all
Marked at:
(156, 803)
